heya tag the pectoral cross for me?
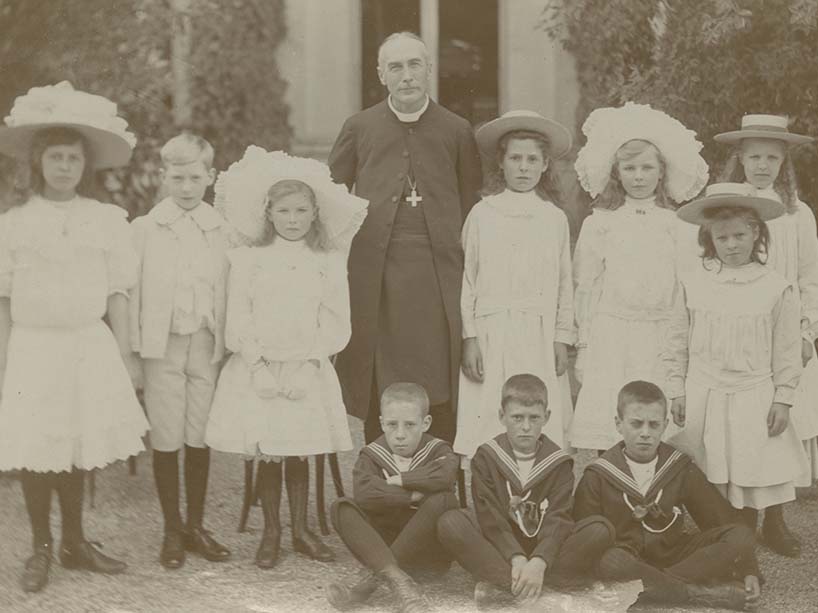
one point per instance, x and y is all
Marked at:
(414, 198)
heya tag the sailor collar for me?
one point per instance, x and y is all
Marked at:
(613, 467)
(547, 457)
(380, 452)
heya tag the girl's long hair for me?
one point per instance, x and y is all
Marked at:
(546, 187)
(52, 137)
(748, 216)
(316, 237)
(785, 184)
(613, 196)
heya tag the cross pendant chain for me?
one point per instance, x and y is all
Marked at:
(414, 197)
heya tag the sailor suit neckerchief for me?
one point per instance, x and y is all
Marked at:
(614, 468)
(384, 458)
(527, 514)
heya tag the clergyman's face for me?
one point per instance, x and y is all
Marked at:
(404, 68)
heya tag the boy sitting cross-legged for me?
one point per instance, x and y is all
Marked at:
(521, 485)
(402, 482)
(642, 486)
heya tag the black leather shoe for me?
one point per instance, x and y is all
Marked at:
(268, 549)
(35, 575)
(173, 550)
(85, 555)
(198, 540)
(310, 545)
(778, 537)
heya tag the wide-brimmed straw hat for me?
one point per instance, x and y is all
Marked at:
(241, 195)
(607, 129)
(719, 195)
(55, 106)
(489, 134)
(763, 126)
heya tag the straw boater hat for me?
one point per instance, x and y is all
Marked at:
(241, 196)
(489, 134)
(61, 105)
(719, 195)
(763, 126)
(607, 129)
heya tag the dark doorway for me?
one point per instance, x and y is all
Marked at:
(467, 67)
(379, 18)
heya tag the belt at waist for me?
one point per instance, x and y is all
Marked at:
(729, 381)
(491, 305)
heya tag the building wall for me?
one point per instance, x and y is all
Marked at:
(321, 61)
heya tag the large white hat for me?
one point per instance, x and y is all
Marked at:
(763, 126)
(61, 105)
(241, 195)
(607, 129)
(489, 134)
(719, 195)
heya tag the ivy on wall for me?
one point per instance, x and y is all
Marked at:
(706, 62)
(121, 50)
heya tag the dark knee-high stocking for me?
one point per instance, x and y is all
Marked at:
(418, 539)
(70, 490)
(297, 477)
(37, 494)
(197, 469)
(269, 489)
(472, 551)
(166, 474)
(361, 538)
(580, 551)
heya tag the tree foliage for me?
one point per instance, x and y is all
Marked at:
(706, 62)
(121, 50)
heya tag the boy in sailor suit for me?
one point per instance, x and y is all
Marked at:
(641, 486)
(402, 482)
(521, 486)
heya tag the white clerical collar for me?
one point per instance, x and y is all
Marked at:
(407, 117)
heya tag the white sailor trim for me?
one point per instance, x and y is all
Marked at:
(384, 455)
(629, 481)
(538, 469)
(421, 455)
(671, 460)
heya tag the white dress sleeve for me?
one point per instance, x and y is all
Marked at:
(6, 256)
(239, 333)
(589, 268)
(786, 347)
(334, 324)
(808, 267)
(675, 353)
(468, 292)
(564, 331)
(120, 254)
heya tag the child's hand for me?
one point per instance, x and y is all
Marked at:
(806, 352)
(579, 365)
(678, 407)
(778, 418)
(752, 591)
(416, 497)
(529, 583)
(561, 358)
(518, 562)
(472, 361)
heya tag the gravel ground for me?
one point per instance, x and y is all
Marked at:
(127, 521)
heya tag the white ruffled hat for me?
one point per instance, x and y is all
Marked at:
(61, 105)
(241, 195)
(607, 129)
(719, 195)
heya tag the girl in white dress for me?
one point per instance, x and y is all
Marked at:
(278, 397)
(517, 296)
(637, 164)
(734, 354)
(66, 261)
(761, 158)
